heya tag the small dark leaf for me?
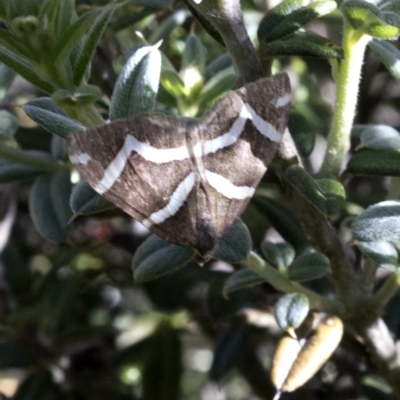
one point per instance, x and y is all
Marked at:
(308, 266)
(304, 45)
(229, 347)
(378, 222)
(302, 133)
(235, 245)
(49, 205)
(281, 255)
(327, 195)
(85, 200)
(375, 162)
(295, 20)
(155, 257)
(241, 279)
(382, 252)
(380, 137)
(291, 310)
(283, 220)
(8, 125)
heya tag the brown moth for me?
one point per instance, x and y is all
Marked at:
(187, 183)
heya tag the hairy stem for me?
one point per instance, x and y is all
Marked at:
(347, 86)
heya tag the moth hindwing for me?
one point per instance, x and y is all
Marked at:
(187, 183)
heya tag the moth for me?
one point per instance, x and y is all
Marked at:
(187, 182)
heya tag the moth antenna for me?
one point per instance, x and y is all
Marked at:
(277, 395)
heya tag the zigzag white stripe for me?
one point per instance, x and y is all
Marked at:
(149, 153)
(82, 158)
(179, 196)
(227, 188)
(284, 100)
(264, 127)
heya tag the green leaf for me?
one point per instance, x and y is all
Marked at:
(235, 245)
(382, 252)
(276, 15)
(155, 257)
(194, 54)
(10, 171)
(291, 310)
(58, 148)
(302, 133)
(216, 87)
(84, 95)
(327, 195)
(170, 79)
(164, 30)
(25, 69)
(51, 117)
(389, 56)
(6, 79)
(8, 125)
(283, 220)
(295, 20)
(137, 85)
(308, 266)
(73, 34)
(375, 162)
(378, 222)
(17, 46)
(241, 279)
(304, 44)
(90, 43)
(205, 23)
(372, 20)
(65, 17)
(229, 347)
(380, 137)
(221, 63)
(49, 207)
(85, 201)
(281, 255)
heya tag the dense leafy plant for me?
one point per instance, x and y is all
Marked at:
(323, 240)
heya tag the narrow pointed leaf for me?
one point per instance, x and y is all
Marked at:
(73, 35)
(389, 56)
(375, 162)
(48, 203)
(51, 117)
(277, 15)
(90, 42)
(24, 69)
(137, 85)
(297, 19)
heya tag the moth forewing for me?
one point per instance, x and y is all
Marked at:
(187, 183)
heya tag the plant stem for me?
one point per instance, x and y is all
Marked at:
(280, 282)
(347, 86)
(29, 160)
